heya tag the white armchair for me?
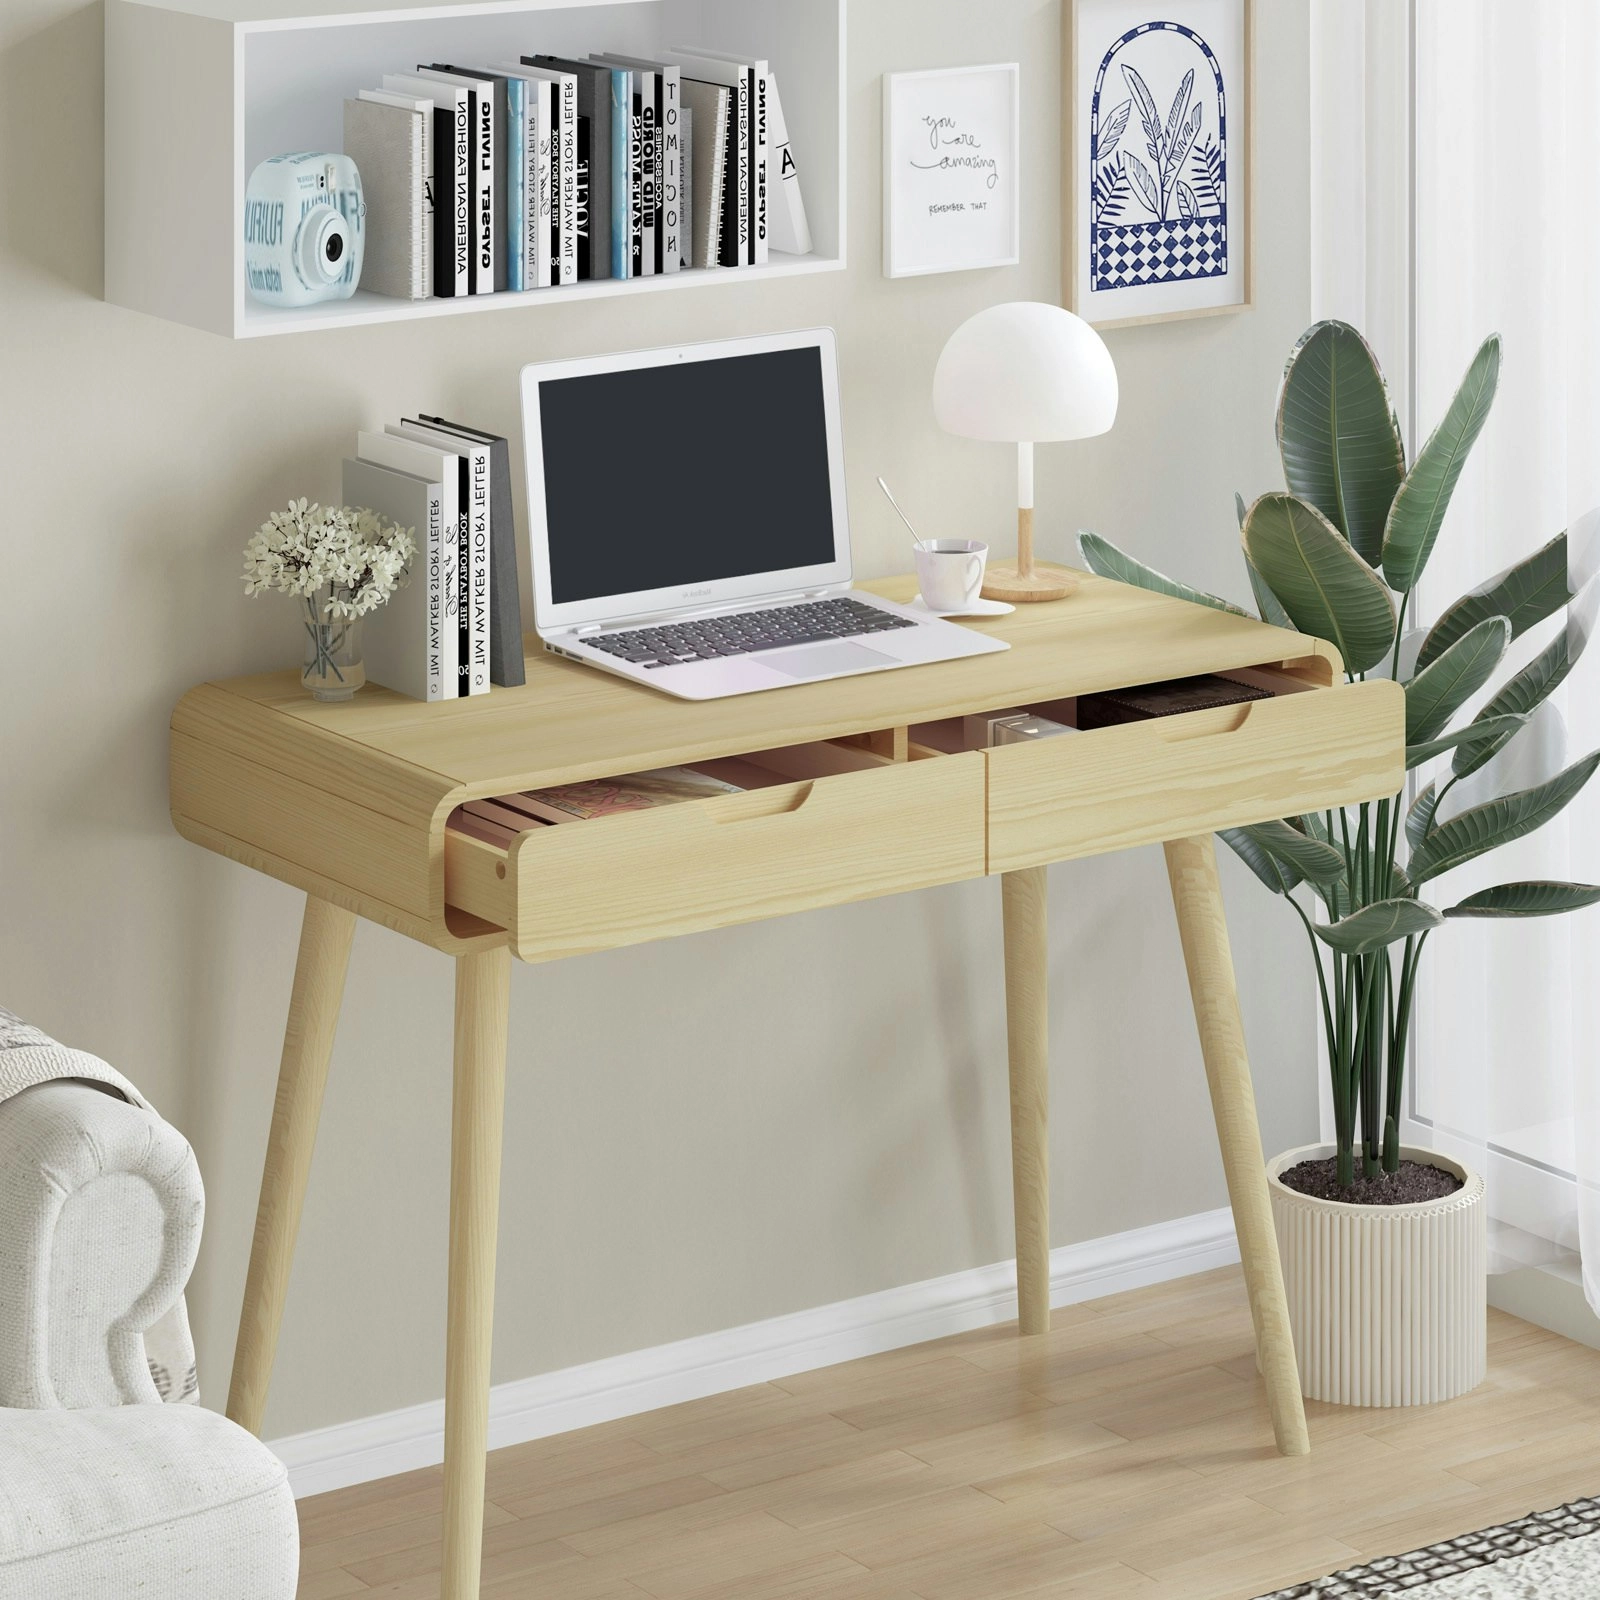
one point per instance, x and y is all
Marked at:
(105, 1491)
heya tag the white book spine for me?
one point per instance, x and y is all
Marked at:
(686, 186)
(790, 230)
(673, 216)
(539, 178)
(479, 576)
(441, 683)
(569, 179)
(761, 126)
(485, 246)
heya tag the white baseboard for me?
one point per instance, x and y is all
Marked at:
(625, 1385)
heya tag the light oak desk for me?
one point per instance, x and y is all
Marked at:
(866, 793)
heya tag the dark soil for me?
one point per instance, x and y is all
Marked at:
(1413, 1183)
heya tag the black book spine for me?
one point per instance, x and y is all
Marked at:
(585, 209)
(444, 212)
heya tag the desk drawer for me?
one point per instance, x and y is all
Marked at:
(833, 825)
(1170, 777)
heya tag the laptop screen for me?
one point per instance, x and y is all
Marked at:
(660, 477)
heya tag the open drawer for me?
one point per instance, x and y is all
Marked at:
(1309, 746)
(827, 824)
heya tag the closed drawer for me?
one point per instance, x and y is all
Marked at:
(1307, 748)
(834, 825)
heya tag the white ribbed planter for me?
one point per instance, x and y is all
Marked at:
(1388, 1304)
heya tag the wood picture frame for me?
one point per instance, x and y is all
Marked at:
(1095, 36)
(952, 190)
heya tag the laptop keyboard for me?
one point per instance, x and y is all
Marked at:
(743, 633)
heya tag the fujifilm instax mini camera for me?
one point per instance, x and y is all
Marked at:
(304, 229)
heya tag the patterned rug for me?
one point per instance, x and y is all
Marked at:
(1551, 1555)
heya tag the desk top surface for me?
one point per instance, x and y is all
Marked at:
(571, 721)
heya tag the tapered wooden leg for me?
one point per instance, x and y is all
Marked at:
(1197, 898)
(483, 993)
(325, 935)
(1022, 900)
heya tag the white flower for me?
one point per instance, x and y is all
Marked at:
(345, 561)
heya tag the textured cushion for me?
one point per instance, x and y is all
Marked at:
(170, 1502)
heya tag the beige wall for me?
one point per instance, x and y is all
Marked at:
(702, 1133)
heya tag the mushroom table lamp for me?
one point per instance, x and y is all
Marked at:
(1026, 373)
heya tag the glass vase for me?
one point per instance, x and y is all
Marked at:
(333, 668)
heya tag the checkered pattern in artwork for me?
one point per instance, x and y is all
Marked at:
(1396, 1575)
(1132, 254)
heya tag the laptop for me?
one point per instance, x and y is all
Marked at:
(688, 525)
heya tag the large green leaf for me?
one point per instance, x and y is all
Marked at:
(1418, 510)
(1498, 822)
(1533, 899)
(1335, 895)
(1523, 594)
(1103, 557)
(1445, 685)
(1315, 861)
(1324, 586)
(1384, 922)
(1338, 434)
(1277, 874)
(1484, 730)
(1419, 819)
(1521, 695)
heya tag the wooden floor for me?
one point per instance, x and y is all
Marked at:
(1126, 1452)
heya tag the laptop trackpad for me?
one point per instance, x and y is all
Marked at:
(825, 660)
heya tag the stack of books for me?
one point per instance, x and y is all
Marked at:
(552, 170)
(456, 627)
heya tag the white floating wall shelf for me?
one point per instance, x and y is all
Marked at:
(199, 91)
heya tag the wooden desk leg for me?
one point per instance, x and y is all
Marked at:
(1197, 899)
(483, 996)
(1022, 901)
(325, 935)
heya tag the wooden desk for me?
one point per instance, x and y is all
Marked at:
(869, 794)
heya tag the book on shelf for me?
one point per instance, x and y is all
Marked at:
(685, 186)
(541, 155)
(452, 179)
(472, 537)
(642, 162)
(709, 105)
(507, 667)
(405, 637)
(789, 230)
(666, 153)
(738, 244)
(390, 145)
(593, 126)
(758, 77)
(431, 464)
(484, 118)
(500, 158)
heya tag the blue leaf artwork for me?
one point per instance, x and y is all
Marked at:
(1159, 197)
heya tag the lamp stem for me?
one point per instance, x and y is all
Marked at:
(1025, 509)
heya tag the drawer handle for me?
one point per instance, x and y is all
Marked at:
(774, 802)
(1181, 729)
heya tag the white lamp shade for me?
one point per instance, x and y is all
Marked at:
(1025, 372)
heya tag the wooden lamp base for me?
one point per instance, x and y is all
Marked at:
(1025, 583)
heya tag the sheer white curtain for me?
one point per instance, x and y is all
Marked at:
(1495, 125)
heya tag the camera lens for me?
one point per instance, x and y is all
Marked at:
(334, 247)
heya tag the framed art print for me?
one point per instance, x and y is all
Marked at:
(950, 170)
(1157, 159)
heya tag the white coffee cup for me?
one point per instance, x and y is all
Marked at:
(950, 572)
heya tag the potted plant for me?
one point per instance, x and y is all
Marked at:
(1384, 1246)
(341, 563)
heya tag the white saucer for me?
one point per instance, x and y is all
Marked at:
(978, 608)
